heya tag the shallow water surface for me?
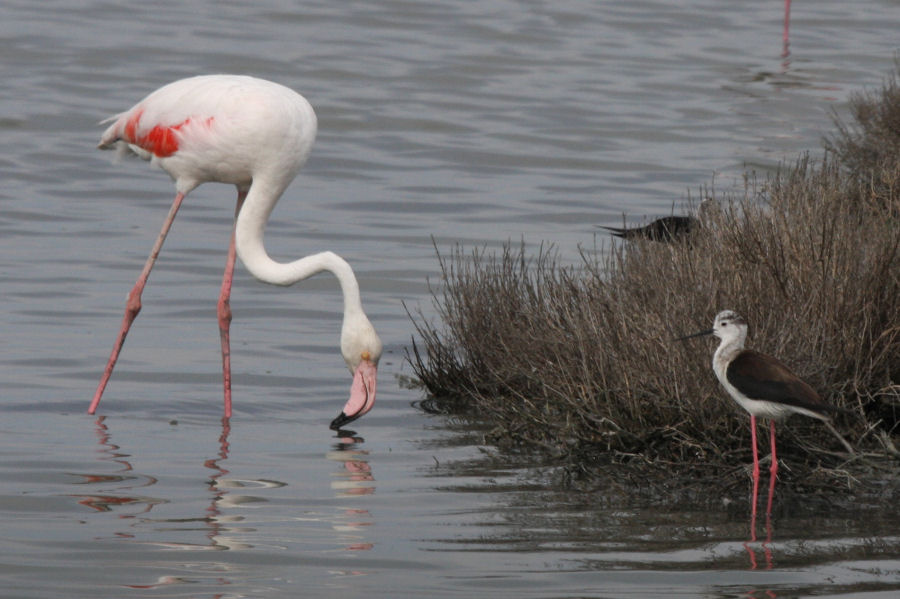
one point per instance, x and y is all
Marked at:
(439, 123)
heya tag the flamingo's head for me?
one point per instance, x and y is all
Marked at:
(361, 349)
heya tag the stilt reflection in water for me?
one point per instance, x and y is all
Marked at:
(766, 545)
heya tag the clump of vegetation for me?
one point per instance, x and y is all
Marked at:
(581, 360)
(868, 146)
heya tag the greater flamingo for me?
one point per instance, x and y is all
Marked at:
(256, 135)
(763, 386)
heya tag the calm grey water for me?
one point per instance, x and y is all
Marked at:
(472, 122)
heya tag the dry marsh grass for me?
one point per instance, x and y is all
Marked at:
(581, 362)
(868, 145)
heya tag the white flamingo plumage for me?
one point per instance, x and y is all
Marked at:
(256, 135)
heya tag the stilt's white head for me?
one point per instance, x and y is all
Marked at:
(730, 326)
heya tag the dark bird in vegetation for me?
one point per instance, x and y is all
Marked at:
(666, 229)
(761, 384)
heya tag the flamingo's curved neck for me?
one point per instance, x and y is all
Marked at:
(249, 230)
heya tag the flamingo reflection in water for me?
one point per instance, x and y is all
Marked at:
(125, 479)
(353, 479)
(224, 528)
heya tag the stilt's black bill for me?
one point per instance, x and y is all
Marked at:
(700, 334)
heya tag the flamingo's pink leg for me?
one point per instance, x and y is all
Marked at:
(224, 311)
(133, 305)
(785, 36)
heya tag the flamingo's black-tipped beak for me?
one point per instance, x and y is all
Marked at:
(362, 394)
(340, 421)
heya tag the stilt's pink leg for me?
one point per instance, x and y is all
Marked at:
(772, 478)
(755, 471)
(767, 550)
(774, 468)
(133, 305)
(753, 440)
(224, 311)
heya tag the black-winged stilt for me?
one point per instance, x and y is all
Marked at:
(761, 384)
(668, 228)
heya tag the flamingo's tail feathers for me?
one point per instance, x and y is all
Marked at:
(122, 148)
(111, 135)
(112, 140)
